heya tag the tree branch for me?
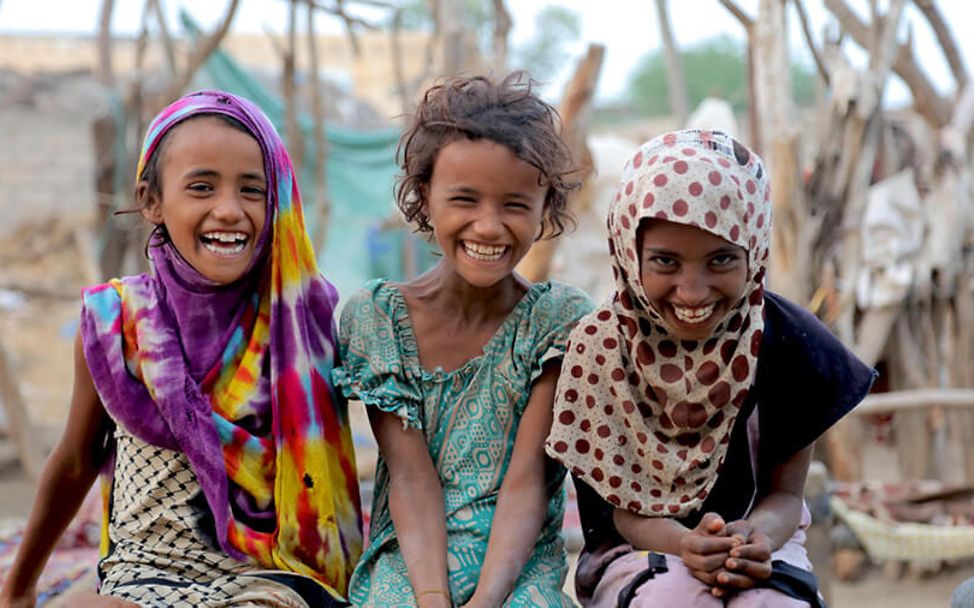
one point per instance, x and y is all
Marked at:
(746, 21)
(946, 39)
(167, 45)
(502, 27)
(322, 209)
(810, 40)
(676, 83)
(395, 47)
(201, 51)
(929, 104)
(105, 72)
(295, 143)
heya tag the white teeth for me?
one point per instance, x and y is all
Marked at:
(226, 237)
(486, 253)
(693, 315)
(224, 243)
(224, 249)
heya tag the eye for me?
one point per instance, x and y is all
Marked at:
(201, 187)
(253, 192)
(724, 259)
(662, 262)
(519, 205)
(461, 199)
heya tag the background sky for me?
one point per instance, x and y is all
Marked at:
(628, 28)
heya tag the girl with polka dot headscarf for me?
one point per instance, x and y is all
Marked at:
(677, 407)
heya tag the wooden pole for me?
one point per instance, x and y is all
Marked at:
(676, 83)
(574, 114)
(322, 203)
(29, 448)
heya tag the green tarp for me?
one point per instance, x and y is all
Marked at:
(360, 174)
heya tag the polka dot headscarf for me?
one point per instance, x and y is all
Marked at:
(641, 416)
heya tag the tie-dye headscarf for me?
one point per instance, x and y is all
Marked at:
(641, 416)
(237, 376)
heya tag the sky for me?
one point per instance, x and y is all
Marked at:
(628, 28)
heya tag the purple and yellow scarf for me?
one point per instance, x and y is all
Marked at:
(237, 376)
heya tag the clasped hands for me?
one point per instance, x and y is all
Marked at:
(728, 557)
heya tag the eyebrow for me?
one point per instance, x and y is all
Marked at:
(469, 190)
(211, 173)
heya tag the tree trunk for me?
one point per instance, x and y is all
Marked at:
(574, 114)
(321, 205)
(788, 272)
(502, 27)
(676, 83)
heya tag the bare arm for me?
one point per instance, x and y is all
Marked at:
(771, 523)
(659, 534)
(416, 507)
(778, 513)
(68, 474)
(523, 499)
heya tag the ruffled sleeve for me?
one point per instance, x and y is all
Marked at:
(373, 367)
(553, 315)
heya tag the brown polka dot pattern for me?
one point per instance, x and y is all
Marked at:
(640, 415)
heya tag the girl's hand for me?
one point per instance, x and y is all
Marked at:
(705, 549)
(749, 563)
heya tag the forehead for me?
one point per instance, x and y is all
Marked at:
(484, 161)
(210, 140)
(681, 238)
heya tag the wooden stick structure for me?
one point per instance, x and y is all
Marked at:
(30, 447)
(574, 115)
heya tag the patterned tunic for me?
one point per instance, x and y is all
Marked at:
(470, 419)
(162, 548)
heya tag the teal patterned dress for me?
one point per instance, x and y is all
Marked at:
(470, 418)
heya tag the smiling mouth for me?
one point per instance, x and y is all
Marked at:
(694, 316)
(484, 253)
(224, 243)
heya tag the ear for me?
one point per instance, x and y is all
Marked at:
(423, 193)
(148, 201)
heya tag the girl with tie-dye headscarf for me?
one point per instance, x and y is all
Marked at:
(688, 403)
(202, 390)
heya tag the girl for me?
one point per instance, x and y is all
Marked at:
(203, 388)
(689, 402)
(458, 366)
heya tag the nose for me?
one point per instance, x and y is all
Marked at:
(691, 288)
(228, 207)
(489, 224)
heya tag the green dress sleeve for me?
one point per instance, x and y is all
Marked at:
(370, 346)
(552, 319)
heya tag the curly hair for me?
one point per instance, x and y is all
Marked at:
(507, 112)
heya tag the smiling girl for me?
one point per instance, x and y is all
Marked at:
(457, 367)
(202, 390)
(688, 403)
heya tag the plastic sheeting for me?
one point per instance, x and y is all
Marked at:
(360, 173)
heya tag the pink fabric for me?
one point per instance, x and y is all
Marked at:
(679, 588)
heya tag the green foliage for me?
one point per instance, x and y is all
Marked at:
(716, 67)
